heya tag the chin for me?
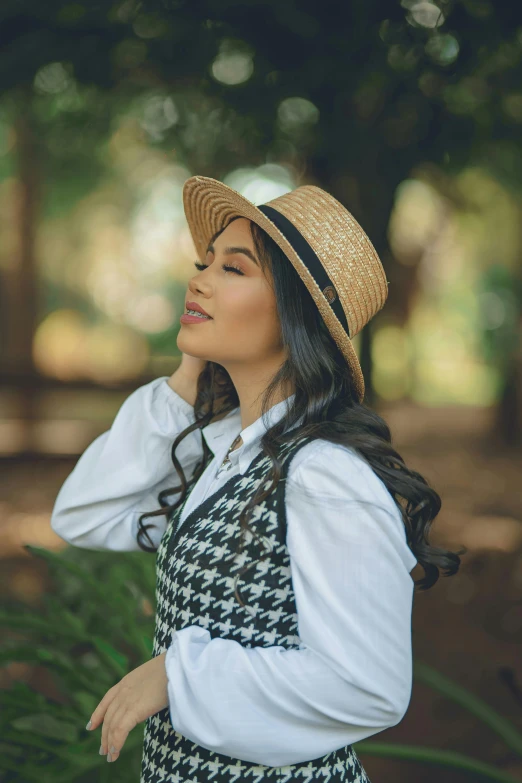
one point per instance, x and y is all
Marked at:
(190, 347)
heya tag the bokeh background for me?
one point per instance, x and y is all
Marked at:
(409, 113)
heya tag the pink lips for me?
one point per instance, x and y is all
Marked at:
(196, 306)
(186, 318)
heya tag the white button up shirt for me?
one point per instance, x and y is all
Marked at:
(351, 677)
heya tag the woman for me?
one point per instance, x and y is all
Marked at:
(284, 594)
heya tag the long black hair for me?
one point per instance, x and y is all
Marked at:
(326, 399)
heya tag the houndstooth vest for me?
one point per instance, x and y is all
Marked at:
(201, 550)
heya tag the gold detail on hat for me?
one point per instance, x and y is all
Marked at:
(330, 293)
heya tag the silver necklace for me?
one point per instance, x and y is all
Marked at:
(226, 462)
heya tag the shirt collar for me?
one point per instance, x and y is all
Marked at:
(220, 435)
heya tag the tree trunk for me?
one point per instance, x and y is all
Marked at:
(20, 280)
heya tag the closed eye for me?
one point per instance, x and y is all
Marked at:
(226, 267)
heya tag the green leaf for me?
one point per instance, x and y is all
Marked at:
(25, 622)
(448, 759)
(148, 642)
(86, 702)
(120, 661)
(58, 561)
(46, 725)
(23, 695)
(471, 703)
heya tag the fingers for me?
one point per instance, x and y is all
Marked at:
(101, 709)
(108, 718)
(115, 719)
(117, 725)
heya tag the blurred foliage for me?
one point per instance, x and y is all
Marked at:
(355, 97)
(356, 92)
(94, 625)
(500, 293)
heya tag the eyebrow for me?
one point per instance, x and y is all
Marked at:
(229, 251)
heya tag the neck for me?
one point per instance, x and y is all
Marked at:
(250, 382)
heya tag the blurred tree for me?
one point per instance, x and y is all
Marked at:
(353, 96)
(502, 344)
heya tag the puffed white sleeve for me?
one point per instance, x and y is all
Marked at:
(121, 472)
(351, 677)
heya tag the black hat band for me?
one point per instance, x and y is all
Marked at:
(309, 258)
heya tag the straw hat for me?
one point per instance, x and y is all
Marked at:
(326, 245)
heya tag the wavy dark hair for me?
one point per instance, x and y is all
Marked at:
(325, 397)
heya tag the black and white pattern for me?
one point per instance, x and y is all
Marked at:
(200, 554)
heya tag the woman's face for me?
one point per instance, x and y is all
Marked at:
(245, 328)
